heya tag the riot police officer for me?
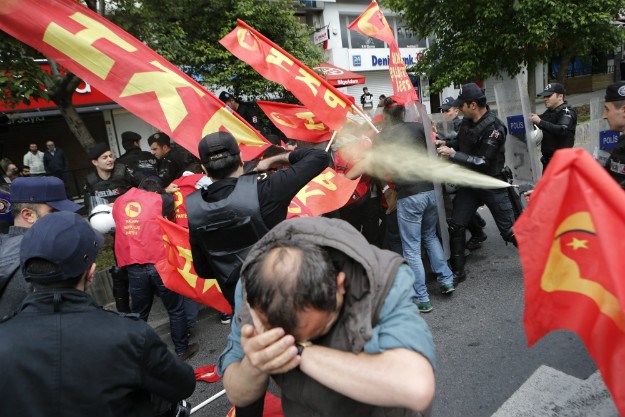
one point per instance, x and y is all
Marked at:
(558, 122)
(614, 113)
(479, 146)
(135, 158)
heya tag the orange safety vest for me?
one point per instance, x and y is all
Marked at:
(138, 236)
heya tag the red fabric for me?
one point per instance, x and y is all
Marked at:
(275, 64)
(339, 77)
(272, 408)
(326, 192)
(124, 69)
(176, 269)
(186, 184)
(343, 166)
(136, 228)
(296, 122)
(373, 23)
(571, 246)
(207, 374)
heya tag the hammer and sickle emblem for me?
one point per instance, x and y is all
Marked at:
(563, 273)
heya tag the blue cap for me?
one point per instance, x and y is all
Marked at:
(64, 239)
(447, 103)
(468, 93)
(48, 190)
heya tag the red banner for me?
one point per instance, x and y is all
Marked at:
(373, 23)
(571, 246)
(326, 192)
(296, 122)
(124, 69)
(178, 273)
(275, 64)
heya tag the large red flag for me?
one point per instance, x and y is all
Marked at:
(326, 192)
(275, 64)
(296, 122)
(373, 23)
(178, 273)
(126, 70)
(571, 246)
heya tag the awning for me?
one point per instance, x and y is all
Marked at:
(339, 77)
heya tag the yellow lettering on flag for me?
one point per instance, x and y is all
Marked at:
(243, 37)
(310, 124)
(563, 274)
(79, 46)
(309, 80)
(332, 100)
(242, 132)
(304, 193)
(276, 57)
(325, 180)
(164, 84)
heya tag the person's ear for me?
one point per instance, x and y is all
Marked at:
(28, 215)
(340, 283)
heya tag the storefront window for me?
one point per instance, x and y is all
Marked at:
(403, 34)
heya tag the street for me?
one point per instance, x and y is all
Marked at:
(482, 353)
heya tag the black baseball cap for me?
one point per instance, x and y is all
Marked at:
(615, 92)
(48, 190)
(64, 239)
(552, 88)
(216, 146)
(468, 93)
(100, 148)
(447, 103)
(225, 96)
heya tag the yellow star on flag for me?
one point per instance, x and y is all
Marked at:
(577, 243)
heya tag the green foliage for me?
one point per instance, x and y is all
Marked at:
(479, 39)
(187, 33)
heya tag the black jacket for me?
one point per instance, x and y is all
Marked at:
(137, 160)
(558, 126)
(616, 162)
(55, 164)
(62, 355)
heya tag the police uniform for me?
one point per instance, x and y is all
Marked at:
(120, 181)
(140, 161)
(558, 126)
(616, 161)
(480, 147)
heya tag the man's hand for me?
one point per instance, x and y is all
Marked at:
(446, 152)
(535, 119)
(269, 352)
(439, 142)
(172, 188)
(273, 162)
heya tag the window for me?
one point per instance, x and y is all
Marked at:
(405, 36)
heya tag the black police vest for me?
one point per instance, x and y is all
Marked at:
(551, 142)
(139, 161)
(111, 188)
(227, 229)
(470, 139)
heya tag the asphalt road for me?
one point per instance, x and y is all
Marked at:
(482, 353)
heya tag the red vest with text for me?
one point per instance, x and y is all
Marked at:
(187, 186)
(138, 236)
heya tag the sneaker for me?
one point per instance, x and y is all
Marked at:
(424, 307)
(476, 242)
(225, 318)
(192, 349)
(447, 288)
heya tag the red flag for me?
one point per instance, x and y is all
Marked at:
(126, 70)
(373, 23)
(178, 273)
(272, 407)
(296, 122)
(326, 192)
(275, 64)
(571, 246)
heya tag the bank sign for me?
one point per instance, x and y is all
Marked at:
(378, 58)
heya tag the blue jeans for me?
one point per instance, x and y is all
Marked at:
(144, 283)
(417, 216)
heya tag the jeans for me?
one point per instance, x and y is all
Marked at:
(418, 216)
(144, 283)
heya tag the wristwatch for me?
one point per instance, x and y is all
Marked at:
(300, 347)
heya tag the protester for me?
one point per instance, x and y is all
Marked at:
(137, 228)
(366, 100)
(136, 159)
(230, 215)
(64, 355)
(333, 345)
(558, 122)
(34, 159)
(614, 113)
(31, 199)
(417, 212)
(479, 146)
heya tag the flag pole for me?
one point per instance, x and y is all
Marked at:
(210, 400)
(364, 116)
(331, 140)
